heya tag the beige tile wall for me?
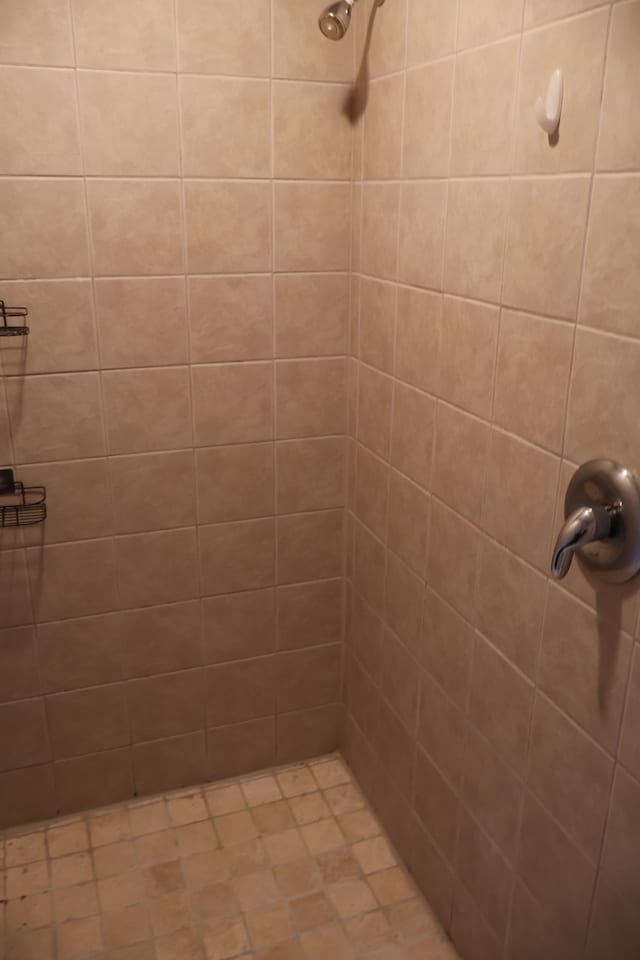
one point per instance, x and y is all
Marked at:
(494, 717)
(177, 201)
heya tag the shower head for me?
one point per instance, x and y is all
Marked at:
(335, 20)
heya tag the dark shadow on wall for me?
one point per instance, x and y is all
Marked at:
(356, 100)
(611, 643)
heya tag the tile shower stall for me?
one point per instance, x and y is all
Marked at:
(319, 333)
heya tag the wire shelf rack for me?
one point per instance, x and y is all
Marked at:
(28, 504)
(8, 329)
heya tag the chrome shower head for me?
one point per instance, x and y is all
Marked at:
(336, 19)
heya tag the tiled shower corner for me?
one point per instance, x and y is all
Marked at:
(286, 864)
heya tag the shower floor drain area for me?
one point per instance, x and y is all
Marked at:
(287, 864)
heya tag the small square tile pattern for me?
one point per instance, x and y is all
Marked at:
(214, 873)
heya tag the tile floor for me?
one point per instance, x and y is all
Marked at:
(288, 864)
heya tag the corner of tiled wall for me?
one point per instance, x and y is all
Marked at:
(492, 714)
(177, 209)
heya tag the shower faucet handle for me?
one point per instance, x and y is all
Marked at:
(602, 525)
(585, 525)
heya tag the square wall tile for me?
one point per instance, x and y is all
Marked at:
(519, 512)
(18, 673)
(141, 138)
(241, 747)
(55, 417)
(532, 377)
(237, 556)
(309, 678)
(94, 780)
(136, 227)
(431, 30)
(310, 546)
(160, 639)
(379, 229)
(233, 403)
(72, 579)
(27, 794)
(228, 226)
(310, 397)
(320, 150)
(131, 394)
(241, 691)
(500, 704)
(231, 318)
(239, 626)
(543, 11)
(312, 226)
(78, 500)
(235, 483)
(411, 454)
(39, 111)
(37, 33)
(309, 614)
(311, 474)
(476, 220)
(225, 127)
(87, 721)
(569, 671)
(470, 332)
(428, 94)
(49, 231)
(15, 603)
(62, 325)
(387, 52)
(312, 314)
(115, 37)
(555, 871)
(153, 491)
(171, 763)
(156, 567)
(141, 321)
(204, 48)
(621, 842)
(545, 236)
(382, 148)
(602, 399)
(610, 286)
(492, 794)
(565, 768)
(418, 338)
(374, 309)
(166, 706)
(580, 45)
(456, 431)
(452, 557)
(23, 738)
(515, 628)
(487, 75)
(619, 144)
(495, 19)
(422, 223)
(374, 410)
(80, 653)
(371, 491)
(308, 733)
(629, 747)
(407, 523)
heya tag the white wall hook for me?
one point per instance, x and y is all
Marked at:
(548, 111)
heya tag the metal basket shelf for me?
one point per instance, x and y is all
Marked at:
(29, 504)
(12, 313)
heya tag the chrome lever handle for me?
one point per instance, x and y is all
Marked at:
(585, 525)
(602, 510)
